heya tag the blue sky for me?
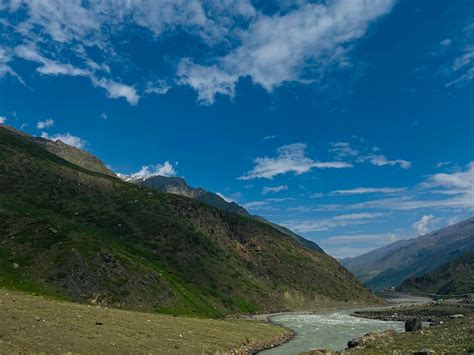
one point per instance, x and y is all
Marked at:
(350, 122)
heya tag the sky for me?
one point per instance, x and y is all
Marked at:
(349, 121)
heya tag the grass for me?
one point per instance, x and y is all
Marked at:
(37, 324)
(452, 337)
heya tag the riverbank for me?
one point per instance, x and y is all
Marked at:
(452, 337)
(34, 324)
(433, 312)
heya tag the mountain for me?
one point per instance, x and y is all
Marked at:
(303, 241)
(389, 266)
(178, 185)
(72, 154)
(81, 235)
(453, 278)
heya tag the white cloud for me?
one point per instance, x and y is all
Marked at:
(280, 48)
(460, 183)
(45, 124)
(443, 163)
(343, 150)
(296, 43)
(269, 137)
(275, 189)
(458, 186)
(147, 171)
(225, 198)
(369, 190)
(325, 224)
(460, 72)
(114, 89)
(383, 238)
(3, 119)
(66, 138)
(159, 87)
(381, 160)
(5, 68)
(117, 90)
(422, 226)
(290, 158)
(266, 204)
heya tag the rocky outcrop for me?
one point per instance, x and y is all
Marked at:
(369, 337)
(413, 324)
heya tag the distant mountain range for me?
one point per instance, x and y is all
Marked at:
(74, 233)
(456, 277)
(389, 266)
(178, 186)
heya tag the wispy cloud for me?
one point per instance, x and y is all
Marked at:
(3, 119)
(266, 203)
(422, 226)
(45, 124)
(325, 224)
(290, 159)
(274, 189)
(48, 66)
(345, 152)
(369, 190)
(147, 171)
(381, 160)
(277, 49)
(296, 44)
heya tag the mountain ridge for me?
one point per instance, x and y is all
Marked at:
(179, 186)
(389, 266)
(455, 277)
(79, 235)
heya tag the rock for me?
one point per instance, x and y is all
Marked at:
(15, 266)
(413, 324)
(456, 316)
(424, 352)
(99, 323)
(37, 318)
(354, 343)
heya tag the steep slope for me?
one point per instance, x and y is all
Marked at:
(391, 265)
(303, 241)
(178, 185)
(75, 155)
(72, 154)
(85, 236)
(453, 278)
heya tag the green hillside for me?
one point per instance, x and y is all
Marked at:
(453, 278)
(85, 236)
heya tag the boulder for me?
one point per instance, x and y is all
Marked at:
(425, 352)
(354, 343)
(413, 324)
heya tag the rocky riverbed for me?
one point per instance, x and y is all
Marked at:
(433, 313)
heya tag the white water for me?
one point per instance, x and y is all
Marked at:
(327, 330)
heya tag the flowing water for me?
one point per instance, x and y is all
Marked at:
(328, 330)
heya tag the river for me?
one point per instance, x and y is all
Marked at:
(331, 329)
